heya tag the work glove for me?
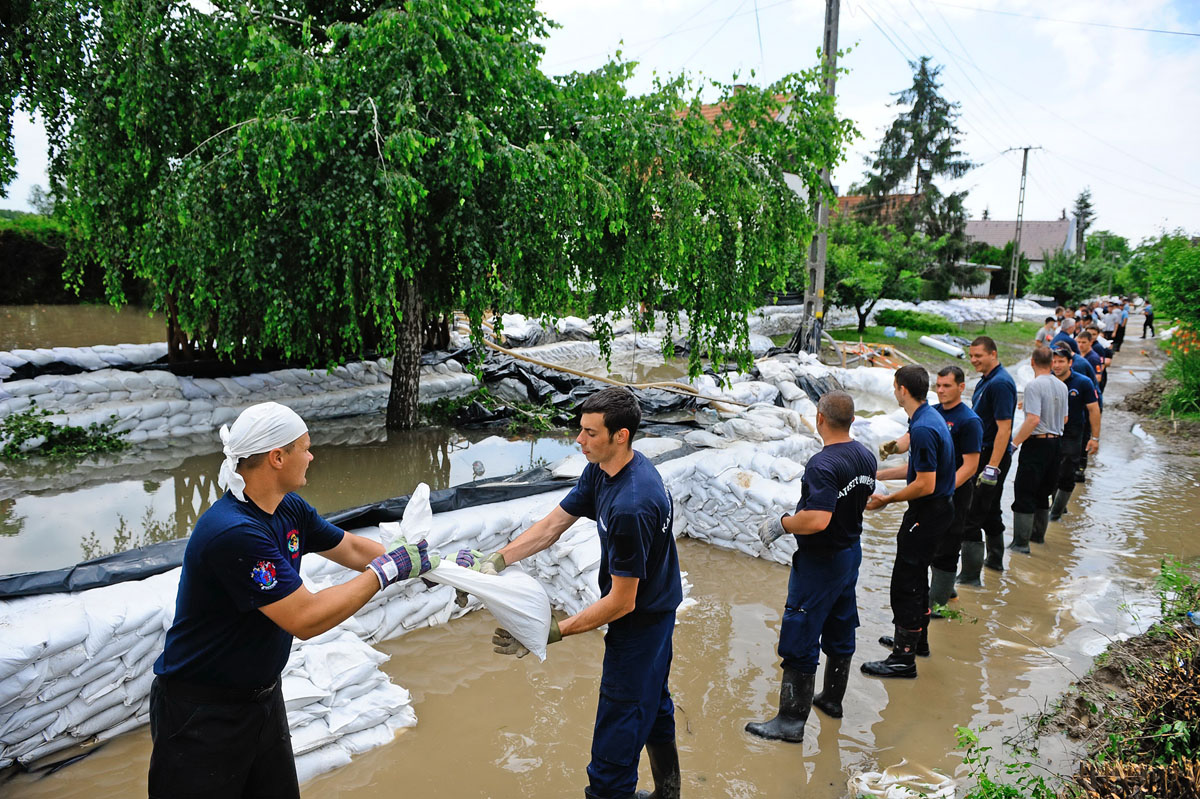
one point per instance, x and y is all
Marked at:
(989, 476)
(504, 643)
(404, 563)
(770, 530)
(477, 561)
(888, 448)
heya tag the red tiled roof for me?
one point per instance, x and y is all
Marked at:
(889, 207)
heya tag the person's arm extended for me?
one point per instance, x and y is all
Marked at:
(892, 473)
(305, 614)
(1000, 444)
(967, 470)
(354, 552)
(1031, 421)
(807, 522)
(1093, 444)
(922, 486)
(619, 602)
(540, 535)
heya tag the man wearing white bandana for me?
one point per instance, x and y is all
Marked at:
(217, 716)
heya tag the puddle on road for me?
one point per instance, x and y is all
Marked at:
(355, 461)
(492, 727)
(28, 326)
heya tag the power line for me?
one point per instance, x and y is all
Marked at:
(677, 29)
(1067, 21)
(1127, 189)
(714, 35)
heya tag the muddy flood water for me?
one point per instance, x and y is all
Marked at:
(493, 727)
(25, 326)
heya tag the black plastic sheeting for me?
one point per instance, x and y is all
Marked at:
(147, 561)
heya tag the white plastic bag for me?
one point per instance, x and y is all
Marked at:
(518, 601)
(416, 523)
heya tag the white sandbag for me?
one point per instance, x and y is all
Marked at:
(365, 740)
(300, 691)
(369, 710)
(313, 762)
(340, 663)
(311, 736)
(416, 522)
(518, 601)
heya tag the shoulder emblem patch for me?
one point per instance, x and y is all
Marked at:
(293, 542)
(263, 574)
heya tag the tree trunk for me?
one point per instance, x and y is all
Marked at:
(862, 317)
(403, 412)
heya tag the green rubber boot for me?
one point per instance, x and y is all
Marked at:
(1022, 530)
(1041, 520)
(1061, 498)
(972, 564)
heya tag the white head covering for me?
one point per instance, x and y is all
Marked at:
(259, 428)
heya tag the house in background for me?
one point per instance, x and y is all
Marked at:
(1038, 239)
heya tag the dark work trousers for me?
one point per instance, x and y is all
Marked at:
(635, 706)
(921, 531)
(1037, 475)
(821, 611)
(1069, 451)
(985, 517)
(1103, 380)
(1118, 337)
(1148, 324)
(219, 743)
(946, 555)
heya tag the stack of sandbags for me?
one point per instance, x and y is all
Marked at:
(84, 359)
(78, 666)
(339, 703)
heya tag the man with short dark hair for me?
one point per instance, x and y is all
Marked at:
(1038, 441)
(1045, 332)
(994, 402)
(640, 588)
(1081, 433)
(821, 611)
(929, 493)
(217, 716)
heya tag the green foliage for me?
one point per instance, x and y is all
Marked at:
(1084, 213)
(312, 180)
(915, 320)
(28, 432)
(1069, 279)
(1002, 257)
(1019, 783)
(43, 229)
(866, 262)
(525, 417)
(1183, 370)
(1173, 265)
(1178, 590)
(150, 531)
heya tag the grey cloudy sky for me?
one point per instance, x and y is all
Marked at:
(1115, 110)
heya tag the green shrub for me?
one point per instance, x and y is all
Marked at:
(915, 320)
(1184, 370)
(29, 432)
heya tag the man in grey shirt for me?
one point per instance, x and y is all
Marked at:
(1038, 439)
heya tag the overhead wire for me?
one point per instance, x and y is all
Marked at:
(714, 35)
(1066, 21)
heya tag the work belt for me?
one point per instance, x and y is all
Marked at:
(1046, 435)
(214, 694)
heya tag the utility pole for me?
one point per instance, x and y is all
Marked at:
(1014, 269)
(808, 337)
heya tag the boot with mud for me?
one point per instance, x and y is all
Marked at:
(795, 699)
(1022, 531)
(837, 674)
(922, 648)
(664, 766)
(1041, 520)
(1061, 498)
(995, 553)
(972, 564)
(903, 660)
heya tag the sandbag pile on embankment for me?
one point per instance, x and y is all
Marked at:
(82, 359)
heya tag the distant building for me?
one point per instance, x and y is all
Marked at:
(885, 209)
(1038, 239)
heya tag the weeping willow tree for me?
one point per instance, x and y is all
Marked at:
(313, 180)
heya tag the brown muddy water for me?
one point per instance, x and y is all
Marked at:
(27, 326)
(493, 727)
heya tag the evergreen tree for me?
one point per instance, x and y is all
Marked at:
(1084, 214)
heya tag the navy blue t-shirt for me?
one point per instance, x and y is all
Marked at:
(966, 430)
(238, 559)
(839, 479)
(1081, 392)
(634, 517)
(1084, 367)
(1095, 359)
(931, 450)
(994, 399)
(1065, 338)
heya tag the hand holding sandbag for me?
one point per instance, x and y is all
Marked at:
(770, 530)
(888, 448)
(473, 559)
(404, 562)
(505, 644)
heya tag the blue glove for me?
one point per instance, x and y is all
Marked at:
(404, 563)
(989, 476)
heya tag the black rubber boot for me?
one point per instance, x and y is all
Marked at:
(1041, 520)
(902, 662)
(1022, 531)
(795, 699)
(941, 586)
(922, 648)
(972, 562)
(664, 765)
(837, 674)
(995, 553)
(1061, 498)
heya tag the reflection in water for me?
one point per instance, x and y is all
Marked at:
(29, 326)
(53, 516)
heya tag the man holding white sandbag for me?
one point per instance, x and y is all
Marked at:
(217, 716)
(640, 588)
